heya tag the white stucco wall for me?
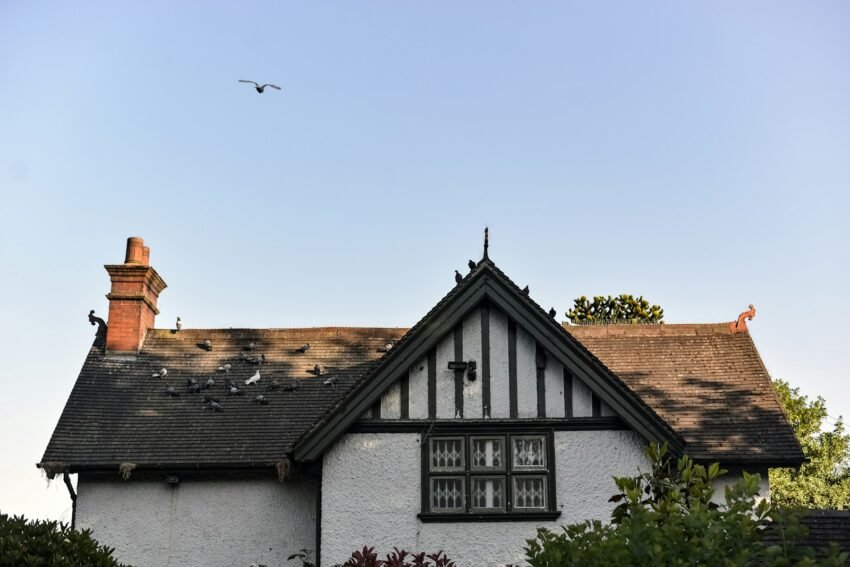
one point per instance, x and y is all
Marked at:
(473, 405)
(734, 476)
(223, 523)
(372, 496)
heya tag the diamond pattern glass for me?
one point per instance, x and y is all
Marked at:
(447, 494)
(529, 452)
(529, 493)
(447, 455)
(488, 493)
(488, 454)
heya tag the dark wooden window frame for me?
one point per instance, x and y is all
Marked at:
(508, 473)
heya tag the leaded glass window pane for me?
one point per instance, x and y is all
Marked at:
(447, 494)
(529, 493)
(488, 493)
(488, 453)
(529, 452)
(447, 454)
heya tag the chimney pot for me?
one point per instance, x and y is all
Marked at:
(135, 251)
(146, 255)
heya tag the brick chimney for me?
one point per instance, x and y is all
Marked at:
(132, 301)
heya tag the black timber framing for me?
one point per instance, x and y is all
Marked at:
(458, 337)
(540, 363)
(487, 282)
(595, 405)
(512, 363)
(404, 412)
(432, 383)
(485, 358)
(440, 426)
(568, 393)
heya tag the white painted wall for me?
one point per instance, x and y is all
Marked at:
(473, 405)
(734, 476)
(222, 523)
(526, 374)
(499, 388)
(372, 496)
(418, 389)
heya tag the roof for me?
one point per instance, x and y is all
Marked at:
(117, 412)
(486, 282)
(824, 526)
(697, 385)
(708, 383)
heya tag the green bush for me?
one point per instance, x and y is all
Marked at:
(666, 517)
(44, 543)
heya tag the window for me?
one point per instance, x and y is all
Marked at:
(488, 476)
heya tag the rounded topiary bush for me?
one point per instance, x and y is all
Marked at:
(45, 543)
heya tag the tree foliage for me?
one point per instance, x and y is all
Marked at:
(667, 517)
(824, 480)
(624, 308)
(29, 543)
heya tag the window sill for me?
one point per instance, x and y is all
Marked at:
(495, 517)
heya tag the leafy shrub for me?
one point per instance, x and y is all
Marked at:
(368, 557)
(35, 543)
(666, 517)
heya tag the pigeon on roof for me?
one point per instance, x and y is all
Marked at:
(386, 348)
(172, 392)
(471, 265)
(210, 398)
(207, 345)
(525, 290)
(258, 87)
(317, 370)
(292, 386)
(224, 368)
(179, 324)
(253, 379)
(251, 346)
(331, 381)
(160, 374)
(261, 399)
(273, 386)
(210, 382)
(234, 391)
(303, 348)
(215, 406)
(256, 359)
(553, 313)
(458, 277)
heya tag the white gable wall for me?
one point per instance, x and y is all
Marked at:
(371, 496)
(212, 523)
(473, 397)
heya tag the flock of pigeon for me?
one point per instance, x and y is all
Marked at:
(247, 355)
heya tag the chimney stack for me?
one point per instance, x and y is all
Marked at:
(132, 301)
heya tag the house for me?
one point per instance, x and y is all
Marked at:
(485, 420)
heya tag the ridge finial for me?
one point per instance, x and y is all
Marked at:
(486, 242)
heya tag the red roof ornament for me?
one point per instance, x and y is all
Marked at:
(740, 326)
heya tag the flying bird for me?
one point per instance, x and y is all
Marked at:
(303, 348)
(253, 379)
(258, 87)
(458, 277)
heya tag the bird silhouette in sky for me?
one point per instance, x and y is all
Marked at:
(258, 87)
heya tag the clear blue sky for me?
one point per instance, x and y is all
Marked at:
(696, 153)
